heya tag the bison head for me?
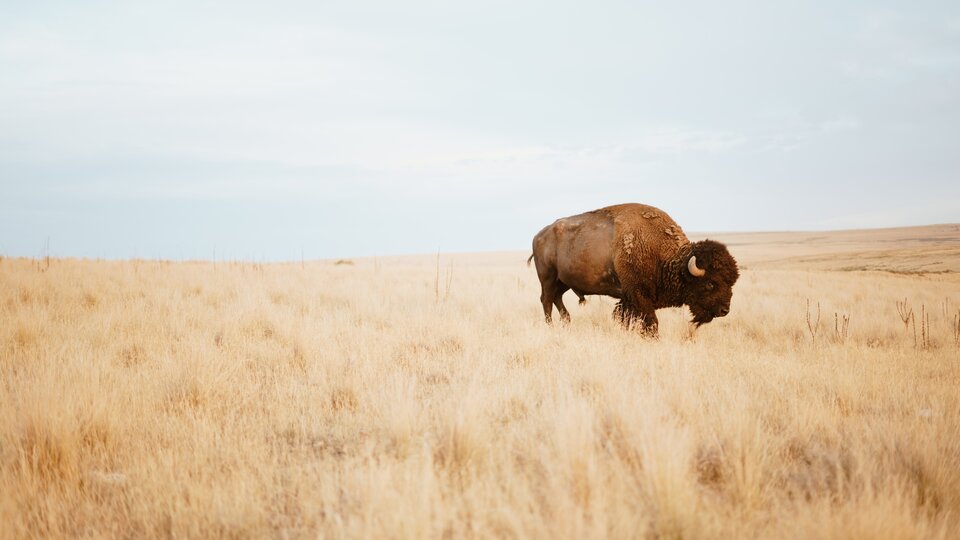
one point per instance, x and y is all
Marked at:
(708, 281)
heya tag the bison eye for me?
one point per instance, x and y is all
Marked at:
(709, 286)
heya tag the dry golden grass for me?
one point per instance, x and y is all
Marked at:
(143, 399)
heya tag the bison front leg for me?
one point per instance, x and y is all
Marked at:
(649, 325)
(637, 312)
(622, 314)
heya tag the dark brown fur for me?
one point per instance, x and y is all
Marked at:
(638, 254)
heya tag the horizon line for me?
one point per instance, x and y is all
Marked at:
(349, 258)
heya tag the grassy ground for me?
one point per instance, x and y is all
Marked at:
(389, 399)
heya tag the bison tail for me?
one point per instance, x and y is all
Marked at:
(529, 259)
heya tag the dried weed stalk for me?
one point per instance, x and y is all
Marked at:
(906, 313)
(956, 329)
(448, 282)
(813, 326)
(924, 328)
(841, 327)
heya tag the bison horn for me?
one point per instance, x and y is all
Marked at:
(694, 269)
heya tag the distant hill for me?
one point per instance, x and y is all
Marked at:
(913, 250)
(929, 249)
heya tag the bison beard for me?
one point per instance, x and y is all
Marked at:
(700, 316)
(639, 255)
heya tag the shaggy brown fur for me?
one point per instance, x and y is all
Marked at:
(638, 254)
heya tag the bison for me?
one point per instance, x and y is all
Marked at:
(635, 253)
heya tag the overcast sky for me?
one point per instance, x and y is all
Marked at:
(257, 130)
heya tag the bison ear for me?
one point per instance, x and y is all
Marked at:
(695, 270)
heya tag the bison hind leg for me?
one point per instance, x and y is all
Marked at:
(561, 288)
(547, 301)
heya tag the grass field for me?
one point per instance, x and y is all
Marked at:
(411, 398)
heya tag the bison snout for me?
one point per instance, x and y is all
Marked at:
(723, 311)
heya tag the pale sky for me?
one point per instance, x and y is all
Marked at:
(257, 130)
